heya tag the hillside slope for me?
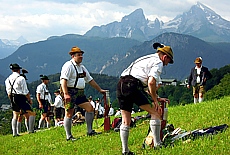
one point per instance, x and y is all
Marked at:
(187, 117)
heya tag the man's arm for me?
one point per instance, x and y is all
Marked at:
(152, 88)
(39, 100)
(65, 90)
(190, 78)
(29, 98)
(96, 86)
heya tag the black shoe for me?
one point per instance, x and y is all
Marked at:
(17, 135)
(31, 132)
(71, 138)
(93, 132)
(128, 153)
(158, 147)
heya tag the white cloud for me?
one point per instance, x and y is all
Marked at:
(39, 19)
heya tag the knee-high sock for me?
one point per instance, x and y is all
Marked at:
(14, 126)
(195, 100)
(40, 124)
(201, 99)
(67, 126)
(19, 125)
(31, 124)
(155, 126)
(27, 124)
(89, 116)
(48, 124)
(124, 135)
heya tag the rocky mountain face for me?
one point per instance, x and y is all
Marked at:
(200, 21)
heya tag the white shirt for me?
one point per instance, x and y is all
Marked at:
(111, 111)
(198, 70)
(44, 92)
(97, 105)
(19, 87)
(58, 103)
(118, 113)
(93, 104)
(68, 72)
(101, 110)
(144, 67)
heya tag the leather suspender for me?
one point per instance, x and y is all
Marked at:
(75, 84)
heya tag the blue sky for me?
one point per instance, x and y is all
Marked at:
(37, 20)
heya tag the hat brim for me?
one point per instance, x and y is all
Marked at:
(71, 52)
(163, 51)
(45, 78)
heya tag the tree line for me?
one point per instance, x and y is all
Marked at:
(216, 88)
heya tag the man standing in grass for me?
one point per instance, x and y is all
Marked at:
(59, 110)
(197, 78)
(138, 84)
(73, 78)
(19, 96)
(44, 101)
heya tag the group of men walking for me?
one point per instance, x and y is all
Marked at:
(137, 85)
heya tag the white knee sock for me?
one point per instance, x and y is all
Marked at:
(201, 99)
(195, 100)
(14, 126)
(31, 124)
(67, 126)
(41, 123)
(19, 124)
(155, 126)
(124, 134)
(26, 124)
(89, 116)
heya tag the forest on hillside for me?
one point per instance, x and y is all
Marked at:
(217, 87)
(177, 94)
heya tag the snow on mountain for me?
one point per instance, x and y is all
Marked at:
(200, 21)
(18, 42)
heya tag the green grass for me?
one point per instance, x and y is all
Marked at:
(187, 117)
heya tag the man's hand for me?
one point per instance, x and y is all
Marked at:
(158, 108)
(163, 100)
(67, 98)
(40, 106)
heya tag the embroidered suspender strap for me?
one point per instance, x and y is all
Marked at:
(75, 84)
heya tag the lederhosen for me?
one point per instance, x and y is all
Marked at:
(18, 101)
(77, 95)
(45, 103)
(131, 90)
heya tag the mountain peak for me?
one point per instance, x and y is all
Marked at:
(135, 15)
(203, 7)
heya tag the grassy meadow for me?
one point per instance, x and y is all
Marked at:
(188, 117)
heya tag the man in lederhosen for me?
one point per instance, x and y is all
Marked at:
(44, 101)
(59, 109)
(73, 78)
(138, 85)
(197, 79)
(19, 96)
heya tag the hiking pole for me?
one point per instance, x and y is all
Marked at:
(106, 107)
